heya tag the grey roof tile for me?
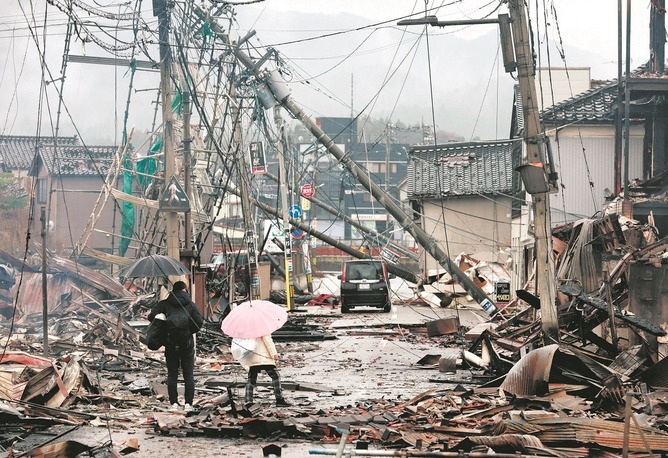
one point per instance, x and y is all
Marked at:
(468, 168)
(593, 106)
(77, 160)
(18, 151)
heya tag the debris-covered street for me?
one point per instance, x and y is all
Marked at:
(284, 229)
(421, 379)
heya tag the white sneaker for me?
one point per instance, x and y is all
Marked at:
(188, 408)
(174, 408)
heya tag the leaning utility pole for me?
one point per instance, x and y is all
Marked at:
(430, 245)
(536, 181)
(244, 184)
(275, 88)
(160, 9)
(45, 289)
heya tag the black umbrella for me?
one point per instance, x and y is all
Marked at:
(154, 265)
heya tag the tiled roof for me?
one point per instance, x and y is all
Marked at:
(18, 151)
(469, 168)
(77, 160)
(517, 122)
(592, 106)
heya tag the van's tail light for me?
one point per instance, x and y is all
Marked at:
(385, 276)
(343, 272)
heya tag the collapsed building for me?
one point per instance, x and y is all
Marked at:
(601, 390)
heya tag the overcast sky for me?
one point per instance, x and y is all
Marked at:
(343, 57)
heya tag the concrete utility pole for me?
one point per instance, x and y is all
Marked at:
(187, 171)
(429, 244)
(244, 181)
(160, 9)
(283, 189)
(536, 169)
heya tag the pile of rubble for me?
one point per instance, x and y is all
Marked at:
(602, 390)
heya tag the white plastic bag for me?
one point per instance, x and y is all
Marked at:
(243, 350)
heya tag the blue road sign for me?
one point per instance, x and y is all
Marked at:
(295, 212)
(297, 233)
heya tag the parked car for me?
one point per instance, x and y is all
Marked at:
(365, 283)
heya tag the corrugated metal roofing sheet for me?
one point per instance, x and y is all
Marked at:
(657, 375)
(531, 374)
(468, 168)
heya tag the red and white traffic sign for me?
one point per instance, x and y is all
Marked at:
(307, 190)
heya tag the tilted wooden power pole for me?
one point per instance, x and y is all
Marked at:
(534, 173)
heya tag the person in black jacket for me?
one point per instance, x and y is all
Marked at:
(183, 320)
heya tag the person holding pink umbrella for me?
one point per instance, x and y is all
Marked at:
(257, 355)
(250, 324)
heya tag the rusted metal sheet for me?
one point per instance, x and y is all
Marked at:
(531, 374)
(601, 432)
(70, 379)
(96, 280)
(443, 326)
(424, 438)
(25, 359)
(63, 278)
(61, 449)
(512, 442)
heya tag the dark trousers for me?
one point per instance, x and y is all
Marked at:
(271, 371)
(185, 359)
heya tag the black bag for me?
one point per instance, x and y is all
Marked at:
(193, 326)
(156, 334)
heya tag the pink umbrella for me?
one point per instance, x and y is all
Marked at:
(255, 318)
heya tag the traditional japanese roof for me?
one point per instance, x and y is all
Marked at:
(517, 120)
(76, 160)
(594, 106)
(18, 151)
(458, 169)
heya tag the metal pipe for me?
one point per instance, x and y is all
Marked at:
(342, 444)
